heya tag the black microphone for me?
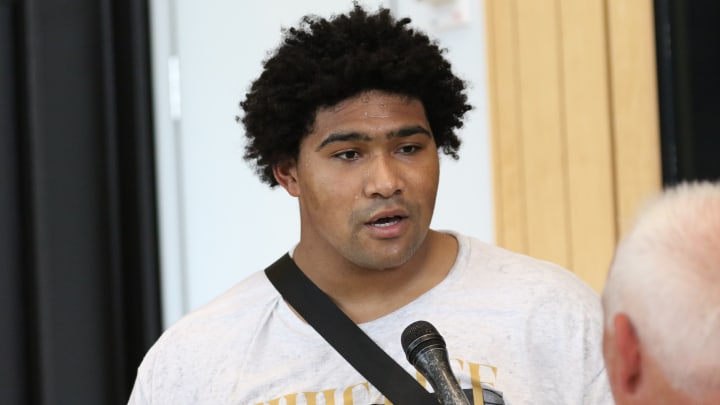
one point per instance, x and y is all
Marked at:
(425, 349)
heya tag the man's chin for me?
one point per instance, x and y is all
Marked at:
(383, 262)
(383, 255)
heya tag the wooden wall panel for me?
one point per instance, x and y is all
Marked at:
(575, 126)
(507, 151)
(541, 130)
(635, 113)
(588, 137)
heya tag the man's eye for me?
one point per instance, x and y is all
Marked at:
(347, 155)
(408, 149)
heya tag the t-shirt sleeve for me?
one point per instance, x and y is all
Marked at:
(141, 393)
(568, 326)
(597, 389)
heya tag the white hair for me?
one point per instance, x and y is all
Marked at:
(666, 277)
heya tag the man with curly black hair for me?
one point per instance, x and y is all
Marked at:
(349, 116)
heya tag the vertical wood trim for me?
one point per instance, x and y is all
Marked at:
(541, 129)
(588, 138)
(575, 126)
(509, 193)
(635, 107)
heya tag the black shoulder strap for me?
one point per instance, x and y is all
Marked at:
(345, 336)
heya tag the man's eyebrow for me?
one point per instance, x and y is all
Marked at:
(343, 137)
(409, 131)
(357, 136)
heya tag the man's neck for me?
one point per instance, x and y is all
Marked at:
(368, 294)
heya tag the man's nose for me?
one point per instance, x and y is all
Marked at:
(384, 177)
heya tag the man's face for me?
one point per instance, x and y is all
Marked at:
(366, 179)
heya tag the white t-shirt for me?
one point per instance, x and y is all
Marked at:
(525, 327)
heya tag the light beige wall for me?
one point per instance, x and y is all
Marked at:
(574, 126)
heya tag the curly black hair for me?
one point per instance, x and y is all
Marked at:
(323, 62)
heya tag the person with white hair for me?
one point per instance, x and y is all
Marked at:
(662, 302)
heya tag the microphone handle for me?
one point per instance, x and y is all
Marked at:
(434, 365)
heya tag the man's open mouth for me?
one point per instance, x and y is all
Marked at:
(386, 221)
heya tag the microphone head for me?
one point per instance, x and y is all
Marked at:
(418, 337)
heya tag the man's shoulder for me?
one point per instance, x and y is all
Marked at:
(494, 257)
(520, 272)
(207, 339)
(228, 316)
(242, 301)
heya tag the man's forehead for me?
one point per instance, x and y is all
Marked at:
(378, 98)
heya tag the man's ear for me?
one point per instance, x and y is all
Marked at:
(628, 362)
(285, 173)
